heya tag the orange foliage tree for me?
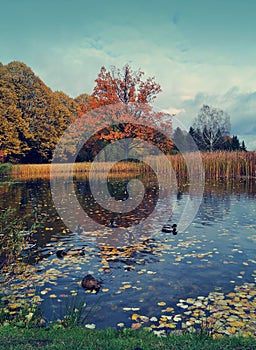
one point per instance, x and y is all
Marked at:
(122, 98)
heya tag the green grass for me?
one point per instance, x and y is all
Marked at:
(5, 168)
(81, 338)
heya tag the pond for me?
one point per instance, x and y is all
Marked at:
(204, 275)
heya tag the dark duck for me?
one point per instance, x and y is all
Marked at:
(71, 251)
(90, 283)
(170, 229)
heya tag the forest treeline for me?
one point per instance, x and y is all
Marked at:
(33, 117)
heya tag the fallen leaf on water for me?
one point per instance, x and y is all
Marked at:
(90, 326)
(177, 318)
(126, 286)
(161, 303)
(135, 317)
(14, 306)
(52, 296)
(136, 325)
(168, 309)
(153, 319)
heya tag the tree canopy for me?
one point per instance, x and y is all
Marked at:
(210, 132)
(121, 97)
(212, 125)
(32, 116)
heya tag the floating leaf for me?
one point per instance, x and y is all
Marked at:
(90, 326)
(135, 317)
(14, 306)
(153, 319)
(136, 325)
(161, 303)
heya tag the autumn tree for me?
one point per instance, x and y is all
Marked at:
(14, 129)
(126, 94)
(32, 116)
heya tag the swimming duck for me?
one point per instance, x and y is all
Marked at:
(90, 283)
(72, 251)
(112, 223)
(79, 229)
(170, 229)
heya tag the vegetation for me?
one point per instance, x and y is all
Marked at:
(82, 338)
(32, 117)
(119, 108)
(217, 165)
(211, 126)
(5, 168)
(13, 240)
(210, 132)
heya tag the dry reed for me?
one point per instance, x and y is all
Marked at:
(217, 165)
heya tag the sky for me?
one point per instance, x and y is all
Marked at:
(200, 51)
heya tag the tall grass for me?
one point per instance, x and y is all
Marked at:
(228, 165)
(217, 165)
(28, 171)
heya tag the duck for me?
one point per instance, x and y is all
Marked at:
(79, 229)
(112, 223)
(72, 251)
(170, 229)
(90, 283)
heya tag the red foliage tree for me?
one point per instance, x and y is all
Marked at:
(121, 97)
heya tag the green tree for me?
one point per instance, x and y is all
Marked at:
(243, 147)
(235, 144)
(179, 138)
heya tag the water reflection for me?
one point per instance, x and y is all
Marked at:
(118, 191)
(27, 196)
(141, 268)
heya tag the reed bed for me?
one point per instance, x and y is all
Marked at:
(216, 165)
(229, 165)
(33, 171)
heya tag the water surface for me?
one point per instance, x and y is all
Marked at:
(149, 278)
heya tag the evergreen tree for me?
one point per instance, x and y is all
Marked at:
(180, 140)
(235, 144)
(243, 148)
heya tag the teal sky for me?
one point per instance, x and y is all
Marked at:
(201, 51)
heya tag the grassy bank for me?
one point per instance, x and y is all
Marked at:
(5, 168)
(217, 165)
(82, 338)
